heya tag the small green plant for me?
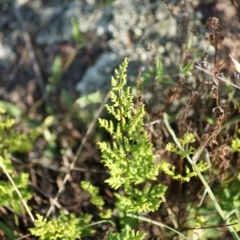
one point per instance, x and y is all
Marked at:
(235, 145)
(130, 157)
(64, 227)
(186, 70)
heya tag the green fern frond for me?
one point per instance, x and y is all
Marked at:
(144, 200)
(187, 138)
(64, 227)
(169, 169)
(96, 199)
(108, 125)
(235, 145)
(13, 141)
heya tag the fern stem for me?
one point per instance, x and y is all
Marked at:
(121, 124)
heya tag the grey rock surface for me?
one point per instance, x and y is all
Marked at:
(142, 30)
(97, 77)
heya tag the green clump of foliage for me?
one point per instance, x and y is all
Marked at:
(12, 141)
(94, 191)
(170, 169)
(9, 196)
(96, 199)
(235, 145)
(129, 157)
(64, 227)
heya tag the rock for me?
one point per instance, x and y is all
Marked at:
(139, 29)
(98, 76)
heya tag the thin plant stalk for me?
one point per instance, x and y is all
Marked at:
(155, 223)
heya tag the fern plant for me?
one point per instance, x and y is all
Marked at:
(129, 157)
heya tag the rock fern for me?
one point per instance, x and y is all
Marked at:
(129, 156)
